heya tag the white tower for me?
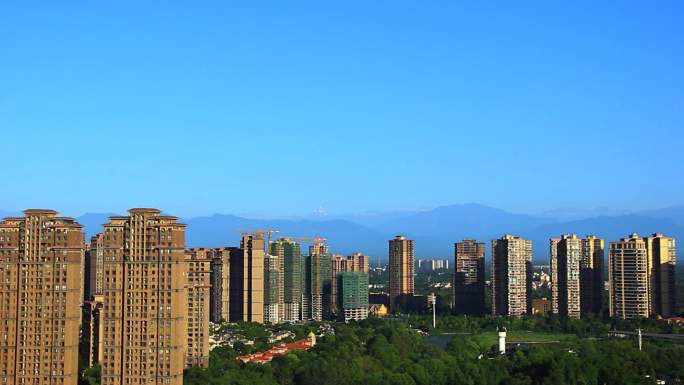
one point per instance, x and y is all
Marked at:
(502, 340)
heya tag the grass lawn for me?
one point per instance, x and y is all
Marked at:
(490, 338)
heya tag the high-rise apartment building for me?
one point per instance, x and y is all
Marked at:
(290, 275)
(317, 283)
(93, 273)
(92, 330)
(641, 276)
(247, 279)
(40, 297)
(198, 286)
(401, 264)
(565, 256)
(272, 290)
(353, 295)
(144, 299)
(662, 253)
(219, 296)
(468, 285)
(591, 275)
(356, 262)
(511, 275)
(576, 275)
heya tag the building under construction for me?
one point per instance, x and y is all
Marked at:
(352, 292)
(291, 271)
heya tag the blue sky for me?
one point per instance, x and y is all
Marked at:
(277, 109)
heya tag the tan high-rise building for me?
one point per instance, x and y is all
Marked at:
(641, 276)
(145, 299)
(591, 275)
(40, 297)
(401, 265)
(468, 284)
(576, 275)
(511, 275)
(219, 296)
(92, 331)
(198, 288)
(357, 262)
(566, 254)
(247, 279)
(93, 272)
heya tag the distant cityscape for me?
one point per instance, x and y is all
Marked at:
(138, 302)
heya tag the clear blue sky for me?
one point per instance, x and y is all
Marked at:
(279, 108)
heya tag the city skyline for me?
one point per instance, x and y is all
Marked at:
(356, 98)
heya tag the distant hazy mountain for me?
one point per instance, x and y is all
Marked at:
(434, 231)
(574, 213)
(675, 213)
(455, 221)
(343, 236)
(606, 227)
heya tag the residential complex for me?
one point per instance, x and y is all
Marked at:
(401, 263)
(641, 276)
(40, 298)
(468, 282)
(147, 302)
(511, 275)
(432, 264)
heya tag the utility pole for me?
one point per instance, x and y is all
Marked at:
(639, 334)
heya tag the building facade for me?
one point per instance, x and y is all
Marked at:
(144, 299)
(641, 276)
(92, 330)
(93, 272)
(468, 281)
(219, 296)
(353, 295)
(357, 262)
(247, 280)
(511, 275)
(291, 275)
(40, 298)
(401, 268)
(565, 257)
(198, 287)
(591, 275)
(576, 275)
(272, 289)
(318, 282)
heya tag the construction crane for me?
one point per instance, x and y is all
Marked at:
(259, 233)
(313, 239)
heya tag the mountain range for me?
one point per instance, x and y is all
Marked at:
(434, 231)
